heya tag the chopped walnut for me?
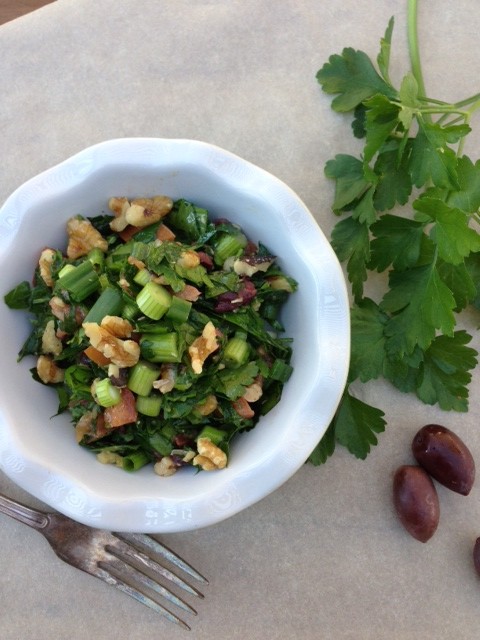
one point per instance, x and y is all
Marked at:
(45, 265)
(189, 293)
(166, 380)
(189, 259)
(119, 207)
(254, 391)
(117, 326)
(59, 307)
(50, 342)
(145, 211)
(109, 457)
(210, 456)
(208, 406)
(107, 338)
(82, 237)
(48, 371)
(165, 467)
(203, 346)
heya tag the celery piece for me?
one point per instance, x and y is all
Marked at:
(214, 435)
(109, 303)
(80, 281)
(142, 277)
(160, 347)
(117, 259)
(149, 405)
(96, 257)
(141, 378)
(229, 245)
(130, 311)
(179, 310)
(106, 394)
(65, 269)
(153, 300)
(236, 351)
(135, 461)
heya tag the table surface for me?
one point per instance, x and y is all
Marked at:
(323, 556)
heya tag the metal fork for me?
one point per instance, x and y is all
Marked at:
(124, 560)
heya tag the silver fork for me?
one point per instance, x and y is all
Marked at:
(128, 561)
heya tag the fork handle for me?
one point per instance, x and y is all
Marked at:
(20, 512)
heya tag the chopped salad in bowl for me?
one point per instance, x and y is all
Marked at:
(214, 337)
(160, 330)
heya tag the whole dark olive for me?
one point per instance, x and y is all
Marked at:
(445, 456)
(476, 555)
(416, 501)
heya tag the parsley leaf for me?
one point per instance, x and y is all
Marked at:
(445, 373)
(353, 77)
(351, 242)
(356, 424)
(422, 303)
(350, 181)
(451, 232)
(367, 356)
(397, 242)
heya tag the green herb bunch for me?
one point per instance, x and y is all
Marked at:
(429, 250)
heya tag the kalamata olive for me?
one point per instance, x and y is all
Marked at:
(476, 555)
(445, 456)
(416, 501)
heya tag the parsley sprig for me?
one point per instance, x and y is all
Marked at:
(429, 250)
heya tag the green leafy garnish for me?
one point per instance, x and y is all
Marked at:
(412, 155)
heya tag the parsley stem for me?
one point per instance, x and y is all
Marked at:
(412, 32)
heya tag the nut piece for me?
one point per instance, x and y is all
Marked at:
(145, 211)
(254, 391)
(208, 406)
(210, 456)
(48, 371)
(203, 346)
(59, 307)
(104, 337)
(189, 259)
(45, 264)
(165, 467)
(166, 381)
(117, 326)
(82, 237)
(119, 208)
(50, 342)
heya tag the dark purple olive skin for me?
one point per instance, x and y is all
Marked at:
(476, 555)
(446, 457)
(416, 501)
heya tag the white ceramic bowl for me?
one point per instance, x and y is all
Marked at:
(39, 452)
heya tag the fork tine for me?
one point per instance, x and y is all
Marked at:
(128, 573)
(121, 548)
(115, 581)
(155, 546)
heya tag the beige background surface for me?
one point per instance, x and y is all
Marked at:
(323, 556)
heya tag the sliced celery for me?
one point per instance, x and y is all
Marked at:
(179, 310)
(106, 394)
(80, 281)
(160, 347)
(236, 351)
(214, 435)
(229, 245)
(153, 300)
(149, 405)
(109, 303)
(141, 378)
